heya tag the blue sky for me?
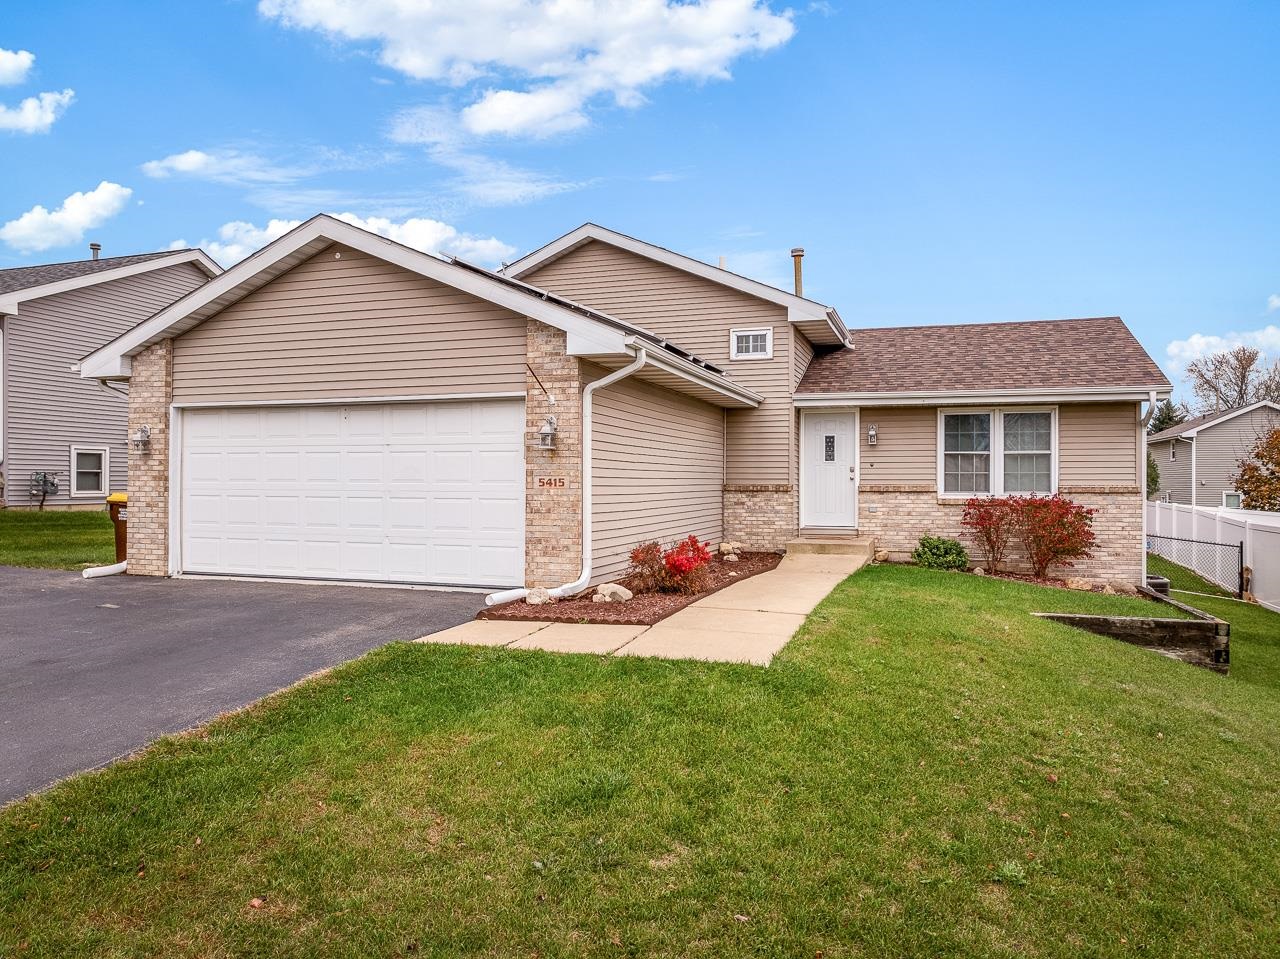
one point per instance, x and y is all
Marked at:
(940, 162)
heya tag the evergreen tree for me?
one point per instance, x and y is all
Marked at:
(1153, 475)
(1168, 414)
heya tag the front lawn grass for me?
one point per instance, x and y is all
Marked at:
(56, 539)
(926, 770)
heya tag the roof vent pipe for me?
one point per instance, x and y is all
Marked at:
(797, 254)
(95, 249)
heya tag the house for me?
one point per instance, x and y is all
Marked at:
(338, 406)
(1199, 459)
(66, 432)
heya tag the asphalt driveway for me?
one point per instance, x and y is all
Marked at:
(91, 670)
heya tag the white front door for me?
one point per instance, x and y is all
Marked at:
(399, 493)
(828, 468)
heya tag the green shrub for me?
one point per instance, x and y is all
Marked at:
(938, 552)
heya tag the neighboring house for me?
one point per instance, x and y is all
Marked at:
(51, 420)
(1199, 459)
(341, 407)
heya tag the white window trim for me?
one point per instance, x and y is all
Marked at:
(1232, 492)
(1164, 496)
(1173, 452)
(997, 448)
(106, 472)
(749, 331)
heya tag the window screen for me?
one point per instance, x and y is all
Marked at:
(88, 471)
(966, 463)
(1028, 456)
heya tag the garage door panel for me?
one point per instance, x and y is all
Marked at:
(426, 492)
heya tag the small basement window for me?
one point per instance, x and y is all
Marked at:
(90, 467)
(1232, 499)
(751, 344)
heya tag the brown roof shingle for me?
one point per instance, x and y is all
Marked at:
(25, 277)
(1039, 354)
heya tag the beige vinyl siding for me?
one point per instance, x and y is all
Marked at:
(332, 328)
(48, 407)
(906, 447)
(1221, 447)
(657, 471)
(1098, 444)
(803, 357)
(697, 315)
(1175, 475)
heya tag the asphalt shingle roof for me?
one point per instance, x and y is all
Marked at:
(1039, 354)
(25, 277)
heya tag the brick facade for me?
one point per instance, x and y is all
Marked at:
(553, 512)
(762, 517)
(898, 516)
(150, 392)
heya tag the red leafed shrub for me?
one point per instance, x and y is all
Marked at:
(647, 570)
(686, 564)
(1053, 531)
(680, 569)
(993, 523)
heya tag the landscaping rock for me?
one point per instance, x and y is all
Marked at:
(731, 558)
(1108, 590)
(538, 597)
(612, 593)
(882, 556)
(979, 571)
(726, 549)
(1125, 588)
(1075, 582)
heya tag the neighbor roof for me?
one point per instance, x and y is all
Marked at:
(1197, 423)
(31, 282)
(1042, 356)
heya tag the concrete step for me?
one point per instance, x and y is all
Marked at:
(843, 545)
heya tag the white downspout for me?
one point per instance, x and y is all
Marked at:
(1142, 471)
(568, 589)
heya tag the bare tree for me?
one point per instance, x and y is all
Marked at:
(1233, 378)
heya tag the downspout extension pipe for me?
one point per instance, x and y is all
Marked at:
(568, 589)
(93, 572)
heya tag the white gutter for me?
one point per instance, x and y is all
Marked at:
(568, 589)
(1142, 471)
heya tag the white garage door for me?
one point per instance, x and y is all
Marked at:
(402, 493)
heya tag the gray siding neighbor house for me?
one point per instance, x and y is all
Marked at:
(1199, 459)
(52, 420)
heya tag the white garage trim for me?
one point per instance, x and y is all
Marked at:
(415, 491)
(349, 401)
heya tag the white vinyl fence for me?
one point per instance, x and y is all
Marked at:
(1259, 531)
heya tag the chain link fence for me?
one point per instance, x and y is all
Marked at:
(1197, 565)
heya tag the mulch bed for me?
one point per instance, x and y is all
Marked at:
(644, 609)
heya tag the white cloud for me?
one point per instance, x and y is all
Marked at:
(1182, 352)
(41, 229)
(35, 114)
(1273, 302)
(553, 58)
(478, 178)
(222, 166)
(14, 66)
(239, 239)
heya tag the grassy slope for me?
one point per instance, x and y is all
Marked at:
(56, 539)
(859, 798)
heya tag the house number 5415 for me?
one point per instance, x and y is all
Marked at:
(550, 482)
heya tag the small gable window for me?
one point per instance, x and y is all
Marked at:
(751, 344)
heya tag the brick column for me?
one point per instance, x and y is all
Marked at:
(553, 478)
(150, 392)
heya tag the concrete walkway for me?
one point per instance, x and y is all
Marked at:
(748, 622)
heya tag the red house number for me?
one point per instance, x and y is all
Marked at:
(550, 482)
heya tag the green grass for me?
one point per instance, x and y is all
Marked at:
(56, 539)
(1180, 577)
(926, 770)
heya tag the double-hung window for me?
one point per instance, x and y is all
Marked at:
(996, 452)
(89, 471)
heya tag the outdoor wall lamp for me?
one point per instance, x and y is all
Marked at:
(871, 435)
(141, 438)
(547, 435)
